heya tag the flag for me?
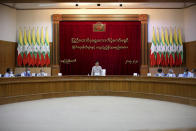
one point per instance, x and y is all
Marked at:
(171, 51)
(38, 62)
(20, 48)
(167, 47)
(180, 47)
(34, 47)
(175, 47)
(153, 53)
(163, 53)
(47, 58)
(25, 60)
(159, 50)
(42, 46)
(29, 51)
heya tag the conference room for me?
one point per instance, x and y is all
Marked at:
(97, 65)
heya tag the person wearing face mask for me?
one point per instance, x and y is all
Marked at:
(96, 70)
(186, 73)
(193, 74)
(26, 73)
(11, 73)
(42, 73)
(170, 73)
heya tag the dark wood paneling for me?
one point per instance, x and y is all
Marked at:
(180, 90)
(7, 55)
(190, 57)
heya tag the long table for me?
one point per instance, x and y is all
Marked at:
(179, 90)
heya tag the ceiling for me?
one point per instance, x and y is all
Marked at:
(104, 4)
(54, 1)
(132, 5)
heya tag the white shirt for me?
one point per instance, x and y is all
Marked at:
(6, 75)
(96, 71)
(170, 75)
(160, 75)
(42, 74)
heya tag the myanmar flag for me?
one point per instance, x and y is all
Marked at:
(42, 46)
(47, 45)
(20, 49)
(159, 48)
(29, 54)
(25, 60)
(153, 53)
(38, 59)
(34, 49)
(163, 53)
(167, 47)
(171, 51)
(180, 48)
(175, 51)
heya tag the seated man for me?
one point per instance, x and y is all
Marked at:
(26, 73)
(193, 74)
(11, 73)
(96, 70)
(159, 73)
(7, 74)
(186, 73)
(42, 73)
(170, 73)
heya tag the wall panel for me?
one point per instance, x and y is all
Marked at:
(7, 55)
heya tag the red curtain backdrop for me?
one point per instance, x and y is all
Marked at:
(114, 61)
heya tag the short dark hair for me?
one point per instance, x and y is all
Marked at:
(8, 70)
(186, 69)
(159, 70)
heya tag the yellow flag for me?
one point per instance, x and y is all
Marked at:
(170, 36)
(180, 36)
(46, 37)
(33, 36)
(162, 37)
(175, 37)
(158, 40)
(42, 36)
(37, 37)
(153, 37)
(166, 37)
(25, 37)
(20, 40)
(29, 36)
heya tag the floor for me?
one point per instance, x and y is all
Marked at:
(96, 113)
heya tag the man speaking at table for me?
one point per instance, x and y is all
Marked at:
(96, 70)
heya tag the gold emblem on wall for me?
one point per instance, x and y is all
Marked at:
(99, 27)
